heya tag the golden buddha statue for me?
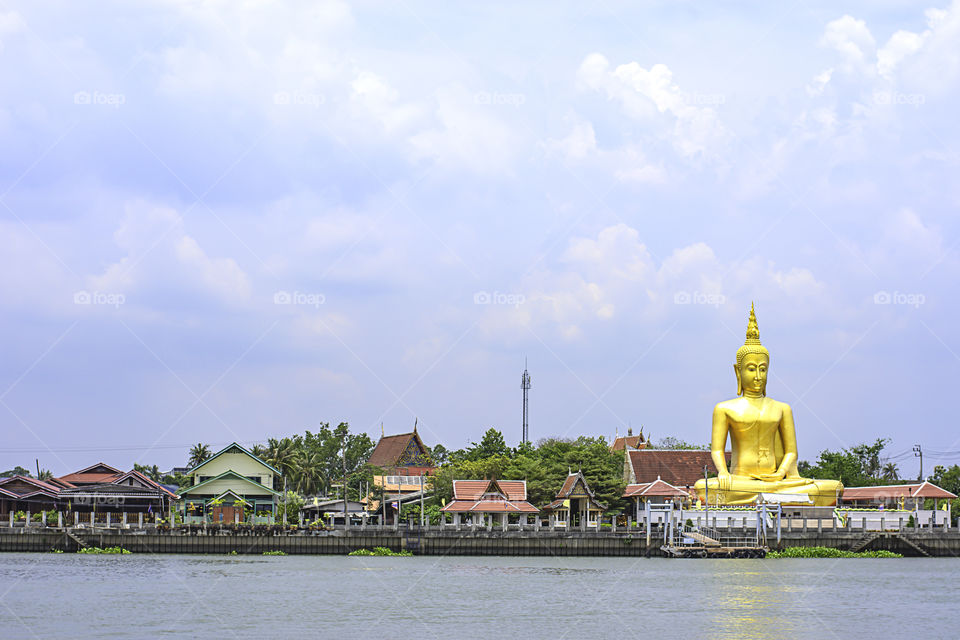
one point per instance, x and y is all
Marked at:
(762, 437)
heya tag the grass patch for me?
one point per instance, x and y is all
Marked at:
(829, 552)
(379, 551)
(98, 550)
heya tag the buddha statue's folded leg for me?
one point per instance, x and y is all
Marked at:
(742, 490)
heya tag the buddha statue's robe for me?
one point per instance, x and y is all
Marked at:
(764, 458)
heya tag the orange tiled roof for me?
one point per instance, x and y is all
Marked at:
(490, 506)
(474, 489)
(657, 488)
(915, 490)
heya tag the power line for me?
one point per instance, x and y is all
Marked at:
(144, 447)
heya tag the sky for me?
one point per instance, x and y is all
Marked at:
(228, 221)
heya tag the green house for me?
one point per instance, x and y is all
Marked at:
(233, 485)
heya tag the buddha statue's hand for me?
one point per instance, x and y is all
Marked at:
(768, 477)
(724, 481)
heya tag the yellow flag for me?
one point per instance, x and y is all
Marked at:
(566, 503)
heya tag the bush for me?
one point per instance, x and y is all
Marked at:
(829, 552)
(98, 550)
(379, 551)
(275, 553)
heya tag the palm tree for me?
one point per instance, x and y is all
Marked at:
(198, 453)
(890, 472)
(259, 450)
(309, 472)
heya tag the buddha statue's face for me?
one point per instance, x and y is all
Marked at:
(752, 375)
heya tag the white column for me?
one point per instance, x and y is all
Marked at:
(140, 520)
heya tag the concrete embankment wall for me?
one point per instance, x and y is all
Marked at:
(934, 543)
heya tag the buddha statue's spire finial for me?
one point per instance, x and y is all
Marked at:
(752, 343)
(753, 331)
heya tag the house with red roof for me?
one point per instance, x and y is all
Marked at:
(575, 506)
(22, 493)
(474, 501)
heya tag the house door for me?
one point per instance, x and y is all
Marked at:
(227, 514)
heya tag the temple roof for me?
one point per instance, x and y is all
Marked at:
(490, 496)
(390, 450)
(678, 467)
(474, 489)
(915, 490)
(657, 488)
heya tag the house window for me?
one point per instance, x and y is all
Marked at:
(205, 478)
(254, 479)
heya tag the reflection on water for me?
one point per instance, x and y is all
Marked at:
(138, 596)
(752, 605)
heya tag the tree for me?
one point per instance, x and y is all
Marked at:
(16, 471)
(198, 453)
(491, 444)
(439, 455)
(890, 472)
(862, 465)
(544, 467)
(676, 443)
(151, 472)
(945, 478)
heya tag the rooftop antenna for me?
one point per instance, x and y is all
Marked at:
(525, 385)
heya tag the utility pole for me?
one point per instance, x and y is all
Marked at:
(525, 385)
(918, 453)
(344, 447)
(706, 495)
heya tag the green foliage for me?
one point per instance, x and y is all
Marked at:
(948, 479)
(544, 467)
(829, 552)
(439, 455)
(491, 444)
(380, 551)
(98, 550)
(198, 453)
(16, 471)
(431, 511)
(859, 466)
(290, 507)
(151, 472)
(676, 443)
(314, 462)
(276, 552)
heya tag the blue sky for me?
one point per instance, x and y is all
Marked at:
(229, 221)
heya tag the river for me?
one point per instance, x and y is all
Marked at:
(147, 596)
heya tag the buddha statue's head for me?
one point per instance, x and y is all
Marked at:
(753, 360)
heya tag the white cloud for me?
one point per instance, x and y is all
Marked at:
(160, 252)
(651, 94)
(853, 40)
(467, 135)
